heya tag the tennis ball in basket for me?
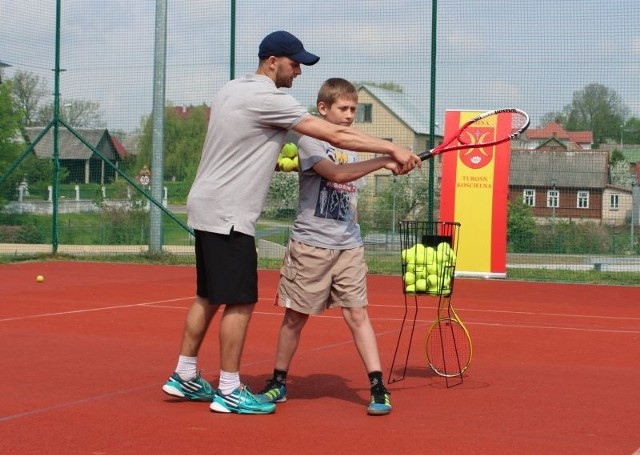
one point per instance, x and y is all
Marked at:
(421, 285)
(430, 254)
(39, 278)
(421, 272)
(289, 150)
(420, 253)
(409, 278)
(410, 255)
(410, 289)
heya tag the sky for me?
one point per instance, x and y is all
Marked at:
(489, 53)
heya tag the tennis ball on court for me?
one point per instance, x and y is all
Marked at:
(289, 150)
(409, 278)
(39, 278)
(286, 164)
(421, 285)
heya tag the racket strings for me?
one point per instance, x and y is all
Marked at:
(448, 348)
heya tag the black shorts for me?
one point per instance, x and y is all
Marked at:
(226, 267)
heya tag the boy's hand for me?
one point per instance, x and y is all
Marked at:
(407, 160)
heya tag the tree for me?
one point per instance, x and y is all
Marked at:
(399, 198)
(76, 113)
(595, 108)
(11, 124)
(183, 139)
(630, 132)
(29, 90)
(521, 228)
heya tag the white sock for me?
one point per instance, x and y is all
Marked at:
(186, 367)
(228, 382)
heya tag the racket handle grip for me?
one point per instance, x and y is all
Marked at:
(426, 155)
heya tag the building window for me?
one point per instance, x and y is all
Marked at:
(583, 199)
(529, 198)
(363, 113)
(553, 199)
(614, 201)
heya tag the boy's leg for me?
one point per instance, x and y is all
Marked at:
(364, 337)
(365, 340)
(289, 337)
(275, 390)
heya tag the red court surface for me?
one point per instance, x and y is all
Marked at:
(556, 370)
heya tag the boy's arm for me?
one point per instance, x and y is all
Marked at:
(348, 138)
(343, 173)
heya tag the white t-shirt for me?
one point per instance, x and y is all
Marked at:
(249, 120)
(327, 211)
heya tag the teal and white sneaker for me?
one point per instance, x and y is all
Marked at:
(240, 401)
(273, 392)
(196, 389)
(380, 403)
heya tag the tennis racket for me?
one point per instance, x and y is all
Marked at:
(448, 345)
(466, 136)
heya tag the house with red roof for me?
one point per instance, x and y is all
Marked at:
(572, 140)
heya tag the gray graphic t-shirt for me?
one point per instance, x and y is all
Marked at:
(326, 214)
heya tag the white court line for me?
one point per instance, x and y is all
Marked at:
(90, 310)
(158, 304)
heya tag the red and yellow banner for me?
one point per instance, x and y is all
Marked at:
(474, 192)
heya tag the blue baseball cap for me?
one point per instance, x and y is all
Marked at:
(284, 44)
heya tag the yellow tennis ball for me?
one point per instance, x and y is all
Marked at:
(421, 285)
(410, 255)
(430, 254)
(421, 272)
(296, 163)
(409, 278)
(421, 253)
(286, 165)
(410, 289)
(289, 150)
(39, 278)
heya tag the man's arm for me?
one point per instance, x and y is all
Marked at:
(349, 138)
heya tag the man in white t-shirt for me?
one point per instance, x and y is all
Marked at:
(250, 117)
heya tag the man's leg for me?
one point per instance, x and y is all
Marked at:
(186, 381)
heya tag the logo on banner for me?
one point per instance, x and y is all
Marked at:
(478, 157)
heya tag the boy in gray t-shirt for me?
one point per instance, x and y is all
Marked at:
(324, 265)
